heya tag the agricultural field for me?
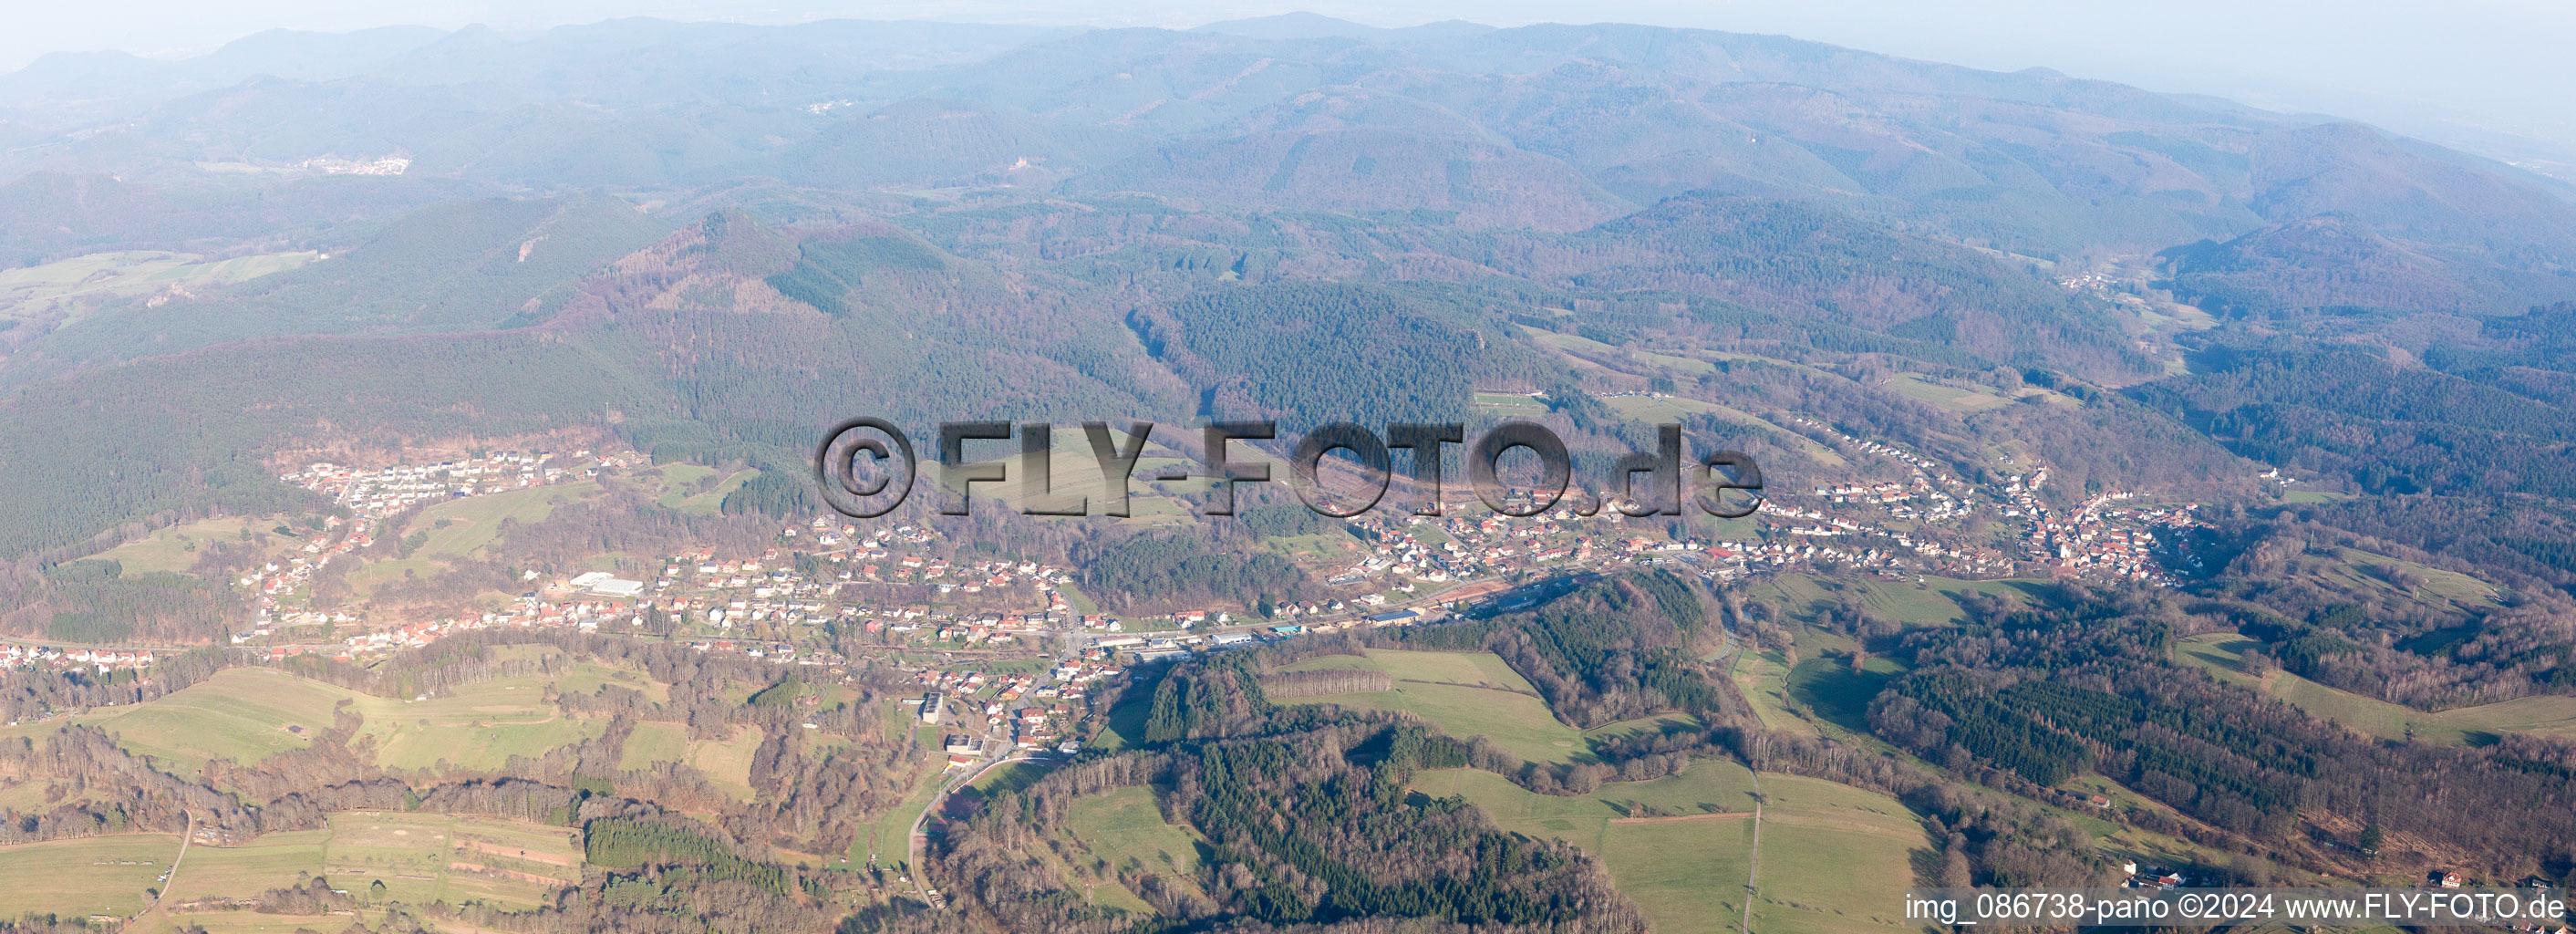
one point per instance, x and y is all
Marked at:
(1510, 403)
(1655, 411)
(2367, 571)
(90, 875)
(1008, 776)
(589, 677)
(676, 479)
(1126, 829)
(1829, 690)
(31, 795)
(242, 921)
(2123, 842)
(1834, 859)
(1466, 694)
(1763, 678)
(2222, 655)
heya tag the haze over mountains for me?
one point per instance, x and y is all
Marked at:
(1038, 190)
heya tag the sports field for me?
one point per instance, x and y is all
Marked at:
(1465, 694)
(85, 876)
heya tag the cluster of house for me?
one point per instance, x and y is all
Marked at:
(2101, 541)
(373, 496)
(13, 655)
(274, 582)
(387, 490)
(2153, 877)
(1033, 705)
(2091, 542)
(389, 165)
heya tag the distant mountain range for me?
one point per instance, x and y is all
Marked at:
(711, 223)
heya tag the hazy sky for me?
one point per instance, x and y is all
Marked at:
(2479, 73)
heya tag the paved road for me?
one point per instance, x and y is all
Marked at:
(919, 842)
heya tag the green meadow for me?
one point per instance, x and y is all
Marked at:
(1465, 694)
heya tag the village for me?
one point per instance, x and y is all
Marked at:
(827, 576)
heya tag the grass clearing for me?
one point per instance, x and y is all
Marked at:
(653, 743)
(475, 521)
(174, 548)
(891, 840)
(1124, 831)
(1936, 601)
(728, 763)
(1465, 694)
